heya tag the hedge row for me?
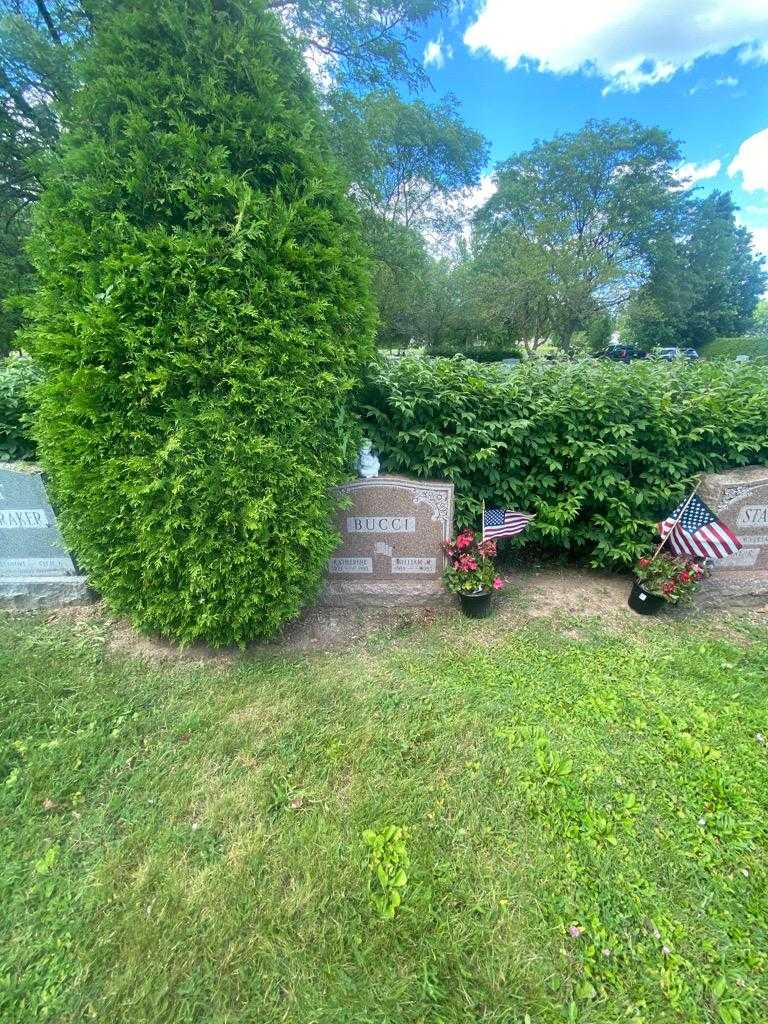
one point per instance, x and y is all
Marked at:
(17, 376)
(753, 345)
(486, 355)
(598, 451)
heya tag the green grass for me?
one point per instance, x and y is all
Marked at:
(200, 857)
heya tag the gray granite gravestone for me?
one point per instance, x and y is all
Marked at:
(392, 529)
(740, 499)
(36, 570)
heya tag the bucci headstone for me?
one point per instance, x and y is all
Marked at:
(740, 499)
(36, 570)
(392, 529)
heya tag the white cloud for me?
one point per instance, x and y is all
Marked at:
(751, 162)
(728, 81)
(747, 218)
(461, 205)
(321, 66)
(481, 193)
(437, 51)
(754, 51)
(760, 240)
(629, 43)
(690, 173)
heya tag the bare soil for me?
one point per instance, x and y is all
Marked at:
(568, 594)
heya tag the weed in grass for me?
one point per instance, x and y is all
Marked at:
(387, 861)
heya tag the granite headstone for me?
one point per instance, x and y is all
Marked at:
(36, 570)
(740, 498)
(392, 530)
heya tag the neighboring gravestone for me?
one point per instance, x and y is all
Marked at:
(36, 570)
(740, 499)
(392, 531)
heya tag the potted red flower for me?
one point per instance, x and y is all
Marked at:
(471, 574)
(666, 579)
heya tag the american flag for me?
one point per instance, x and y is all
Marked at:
(503, 522)
(699, 532)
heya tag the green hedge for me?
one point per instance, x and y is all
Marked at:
(489, 355)
(599, 451)
(18, 374)
(755, 346)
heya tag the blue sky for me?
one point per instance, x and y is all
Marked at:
(699, 68)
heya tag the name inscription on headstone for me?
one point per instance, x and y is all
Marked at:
(351, 565)
(30, 542)
(392, 530)
(421, 566)
(381, 524)
(35, 566)
(23, 519)
(740, 499)
(753, 515)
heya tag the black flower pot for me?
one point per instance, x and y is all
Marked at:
(643, 602)
(476, 605)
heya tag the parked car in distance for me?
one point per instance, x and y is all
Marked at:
(622, 353)
(671, 353)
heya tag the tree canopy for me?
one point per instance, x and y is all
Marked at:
(410, 167)
(582, 227)
(583, 210)
(705, 279)
(408, 162)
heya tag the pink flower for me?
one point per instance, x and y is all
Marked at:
(498, 583)
(464, 539)
(487, 548)
(575, 931)
(669, 587)
(645, 562)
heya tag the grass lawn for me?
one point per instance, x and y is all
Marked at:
(585, 810)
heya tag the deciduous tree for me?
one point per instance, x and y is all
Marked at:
(409, 162)
(585, 208)
(705, 280)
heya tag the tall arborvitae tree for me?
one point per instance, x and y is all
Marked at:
(203, 313)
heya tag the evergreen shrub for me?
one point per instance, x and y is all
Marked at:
(202, 317)
(18, 376)
(599, 451)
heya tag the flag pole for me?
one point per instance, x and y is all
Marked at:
(483, 530)
(673, 527)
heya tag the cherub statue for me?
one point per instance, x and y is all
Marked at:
(368, 464)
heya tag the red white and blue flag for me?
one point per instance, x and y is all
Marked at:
(698, 532)
(503, 522)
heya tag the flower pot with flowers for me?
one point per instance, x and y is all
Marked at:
(662, 580)
(471, 574)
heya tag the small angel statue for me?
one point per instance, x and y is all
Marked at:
(368, 464)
